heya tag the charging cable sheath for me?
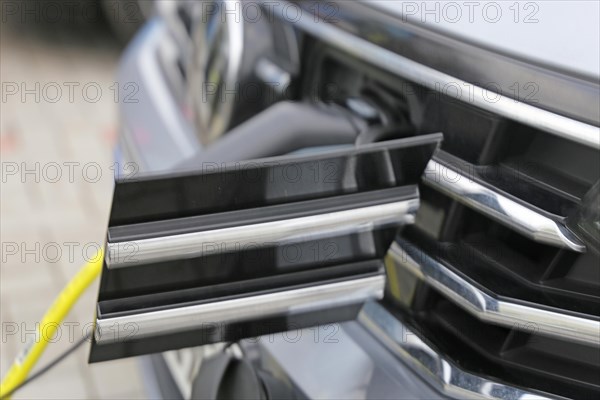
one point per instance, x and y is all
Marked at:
(47, 328)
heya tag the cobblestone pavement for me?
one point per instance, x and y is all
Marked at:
(57, 127)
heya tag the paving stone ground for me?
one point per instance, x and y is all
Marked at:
(56, 189)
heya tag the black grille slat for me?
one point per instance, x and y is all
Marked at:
(501, 352)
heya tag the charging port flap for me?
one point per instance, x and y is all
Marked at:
(244, 249)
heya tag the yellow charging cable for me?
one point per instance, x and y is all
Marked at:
(46, 330)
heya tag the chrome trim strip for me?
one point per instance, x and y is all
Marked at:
(556, 124)
(486, 307)
(426, 361)
(324, 296)
(190, 245)
(500, 208)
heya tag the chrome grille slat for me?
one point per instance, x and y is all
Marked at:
(190, 245)
(488, 307)
(501, 208)
(110, 330)
(447, 376)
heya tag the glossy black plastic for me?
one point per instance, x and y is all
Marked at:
(276, 180)
(244, 194)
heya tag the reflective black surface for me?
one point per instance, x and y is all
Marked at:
(245, 262)
(255, 193)
(271, 181)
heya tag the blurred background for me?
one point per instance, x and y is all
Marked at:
(58, 124)
(183, 83)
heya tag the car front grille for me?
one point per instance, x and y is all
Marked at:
(506, 285)
(495, 291)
